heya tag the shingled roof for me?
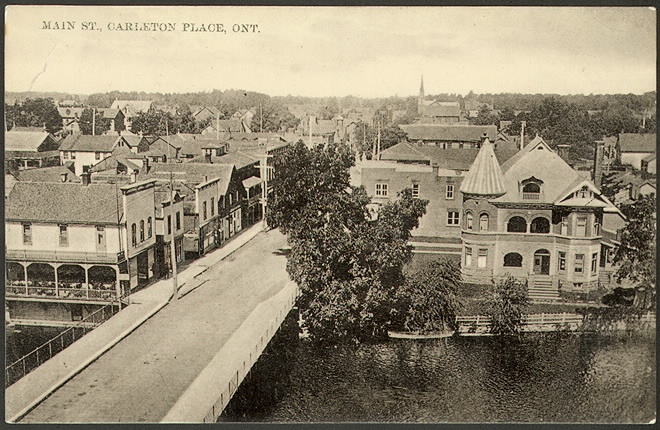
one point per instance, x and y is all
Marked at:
(189, 173)
(31, 141)
(485, 176)
(635, 142)
(89, 143)
(63, 203)
(450, 133)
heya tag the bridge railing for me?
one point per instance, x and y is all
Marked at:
(30, 361)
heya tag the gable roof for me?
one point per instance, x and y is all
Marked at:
(89, 143)
(537, 160)
(26, 140)
(635, 142)
(445, 132)
(442, 109)
(450, 158)
(64, 203)
(70, 112)
(189, 173)
(47, 174)
(131, 107)
(114, 161)
(238, 159)
(108, 113)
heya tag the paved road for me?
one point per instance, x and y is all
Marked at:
(141, 378)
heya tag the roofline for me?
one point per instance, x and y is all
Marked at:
(41, 221)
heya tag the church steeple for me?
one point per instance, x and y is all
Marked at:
(420, 98)
(485, 177)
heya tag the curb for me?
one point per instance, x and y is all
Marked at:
(84, 364)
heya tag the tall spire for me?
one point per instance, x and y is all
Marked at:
(485, 176)
(421, 89)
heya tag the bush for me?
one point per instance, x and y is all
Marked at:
(508, 306)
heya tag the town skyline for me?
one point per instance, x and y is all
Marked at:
(323, 52)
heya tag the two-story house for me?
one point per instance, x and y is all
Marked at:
(84, 151)
(533, 217)
(74, 247)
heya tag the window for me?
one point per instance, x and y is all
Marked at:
(27, 234)
(483, 222)
(415, 191)
(133, 235)
(581, 228)
(212, 206)
(468, 256)
(564, 226)
(540, 225)
(381, 190)
(65, 155)
(562, 260)
(579, 263)
(204, 209)
(513, 259)
(452, 217)
(468, 220)
(100, 238)
(594, 262)
(221, 203)
(64, 235)
(517, 224)
(73, 155)
(449, 193)
(169, 224)
(231, 199)
(531, 191)
(141, 230)
(483, 258)
(596, 228)
(178, 220)
(97, 155)
(149, 228)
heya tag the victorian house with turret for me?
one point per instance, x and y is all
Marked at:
(536, 218)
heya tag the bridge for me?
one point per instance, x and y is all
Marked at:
(180, 362)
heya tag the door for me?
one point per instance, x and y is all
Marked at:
(542, 262)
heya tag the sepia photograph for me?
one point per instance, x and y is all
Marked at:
(347, 214)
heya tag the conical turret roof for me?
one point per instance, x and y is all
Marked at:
(485, 176)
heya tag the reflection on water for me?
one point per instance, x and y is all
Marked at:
(541, 378)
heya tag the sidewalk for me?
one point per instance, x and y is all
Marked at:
(40, 383)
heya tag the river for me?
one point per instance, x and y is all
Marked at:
(539, 378)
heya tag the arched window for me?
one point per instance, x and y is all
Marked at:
(142, 230)
(540, 225)
(133, 235)
(513, 259)
(468, 220)
(532, 188)
(517, 224)
(483, 222)
(149, 228)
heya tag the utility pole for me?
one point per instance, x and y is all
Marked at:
(217, 125)
(261, 118)
(175, 281)
(93, 121)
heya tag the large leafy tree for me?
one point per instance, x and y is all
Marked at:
(35, 113)
(272, 117)
(635, 255)
(428, 300)
(154, 122)
(508, 305)
(347, 263)
(100, 124)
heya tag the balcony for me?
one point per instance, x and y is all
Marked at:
(531, 196)
(66, 291)
(64, 256)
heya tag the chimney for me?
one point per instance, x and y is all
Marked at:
(598, 163)
(134, 176)
(208, 155)
(86, 178)
(63, 176)
(435, 168)
(562, 151)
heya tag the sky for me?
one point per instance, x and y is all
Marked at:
(332, 51)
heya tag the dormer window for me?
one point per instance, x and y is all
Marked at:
(531, 189)
(584, 193)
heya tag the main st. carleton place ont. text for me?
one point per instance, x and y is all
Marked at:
(150, 26)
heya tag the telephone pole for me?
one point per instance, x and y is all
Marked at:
(175, 280)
